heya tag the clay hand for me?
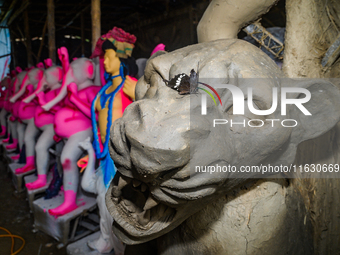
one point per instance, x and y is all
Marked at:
(29, 89)
(129, 87)
(47, 107)
(72, 89)
(63, 54)
(41, 98)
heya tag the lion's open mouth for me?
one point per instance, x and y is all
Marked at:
(136, 205)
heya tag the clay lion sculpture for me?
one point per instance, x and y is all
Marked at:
(158, 204)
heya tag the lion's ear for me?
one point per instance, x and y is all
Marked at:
(324, 106)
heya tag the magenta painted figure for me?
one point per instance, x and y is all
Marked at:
(72, 123)
(48, 88)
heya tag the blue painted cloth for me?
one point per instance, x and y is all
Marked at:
(104, 156)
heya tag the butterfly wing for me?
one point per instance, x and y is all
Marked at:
(193, 82)
(181, 83)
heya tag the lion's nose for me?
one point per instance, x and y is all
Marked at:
(152, 137)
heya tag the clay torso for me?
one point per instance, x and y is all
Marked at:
(41, 117)
(102, 107)
(71, 116)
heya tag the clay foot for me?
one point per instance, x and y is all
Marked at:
(12, 146)
(100, 245)
(24, 169)
(67, 206)
(15, 157)
(62, 209)
(6, 140)
(40, 182)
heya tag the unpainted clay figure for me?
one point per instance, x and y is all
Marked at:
(14, 110)
(158, 202)
(73, 124)
(5, 87)
(93, 181)
(26, 113)
(48, 88)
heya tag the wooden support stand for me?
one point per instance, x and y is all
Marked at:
(32, 194)
(80, 247)
(64, 228)
(18, 179)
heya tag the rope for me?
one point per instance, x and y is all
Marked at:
(12, 238)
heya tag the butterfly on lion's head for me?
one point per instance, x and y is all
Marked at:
(189, 85)
(183, 83)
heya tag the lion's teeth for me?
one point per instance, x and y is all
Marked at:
(130, 206)
(151, 202)
(123, 181)
(116, 192)
(143, 218)
(136, 183)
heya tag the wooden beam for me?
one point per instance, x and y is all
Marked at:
(28, 39)
(82, 30)
(23, 6)
(76, 16)
(8, 13)
(95, 15)
(42, 40)
(59, 25)
(51, 30)
(13, 51)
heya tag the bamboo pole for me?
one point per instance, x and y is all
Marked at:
(42, 40)
(51, 30)
(95, 15)
(82, 30)
(28, 40)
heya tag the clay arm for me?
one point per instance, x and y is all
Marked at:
(29, 89)
(37, 91)
(64, 58)
(82, 105)
(21, 91)
(61, 95)
(41, 98)
(223, 19)
(130, 86)
(88, 182)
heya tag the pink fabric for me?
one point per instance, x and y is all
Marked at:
(30, 165)
(69, 204)
(71, 116)
(38, 183)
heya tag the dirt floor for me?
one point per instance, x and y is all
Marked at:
(15, 217)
